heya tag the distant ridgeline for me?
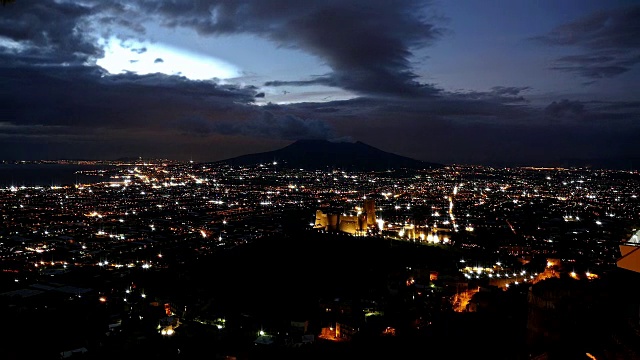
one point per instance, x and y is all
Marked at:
(323, 154)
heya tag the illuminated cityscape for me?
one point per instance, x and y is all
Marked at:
(352, 179)
(115, 246)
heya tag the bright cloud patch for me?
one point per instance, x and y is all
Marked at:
(314, 93)
(146, 58)
(9, 44)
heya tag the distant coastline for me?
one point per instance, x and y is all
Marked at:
(83, 162)
(39, 173)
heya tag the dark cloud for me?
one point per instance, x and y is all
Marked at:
(53, 100)
(458, 110)
(564, 109)
(598, 65)
(141, 50)
(469, 106)
(609, 41)
(367, 43)
(49, 32)
(83, 111)
(326, 80)
(577, 139)
(484, 132)
(605, 114)
(86, 97)
(12, 130)
(268, 124)
(158, 61)
(497, 95)
(509, 90)
(611, 29)
(617, 105)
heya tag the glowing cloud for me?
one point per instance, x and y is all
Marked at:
(147, 58)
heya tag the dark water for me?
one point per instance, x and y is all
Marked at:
(47, 174)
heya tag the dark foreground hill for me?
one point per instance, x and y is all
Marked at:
(322, 154)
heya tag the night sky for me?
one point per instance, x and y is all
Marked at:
(469, 82)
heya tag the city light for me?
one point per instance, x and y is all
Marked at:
(246, 204)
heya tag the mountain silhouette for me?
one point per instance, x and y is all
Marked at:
(323, 154)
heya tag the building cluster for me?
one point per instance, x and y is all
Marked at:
(518, 227)
(142, 209)
(359, 222)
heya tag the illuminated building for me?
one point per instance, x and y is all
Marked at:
(630, 260)
(354, 222)
(630, 252)
(370, 212)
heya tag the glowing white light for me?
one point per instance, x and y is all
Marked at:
(11, 44)
(130, 56)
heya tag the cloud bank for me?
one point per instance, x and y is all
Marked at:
(53, 95)
(608, 43)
